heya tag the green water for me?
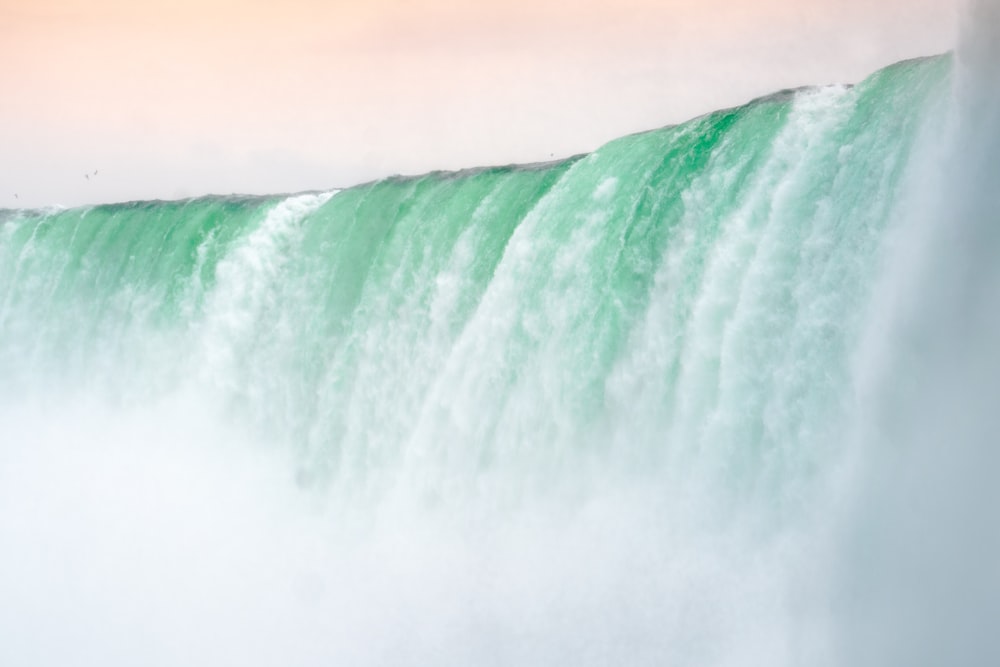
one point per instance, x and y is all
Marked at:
(688, 293)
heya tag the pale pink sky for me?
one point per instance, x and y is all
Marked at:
(184, 97)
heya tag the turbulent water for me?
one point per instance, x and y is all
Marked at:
(718, 394)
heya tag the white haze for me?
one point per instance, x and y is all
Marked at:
(162, 536)
(920, 579)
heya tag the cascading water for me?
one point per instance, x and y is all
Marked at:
(643, 406)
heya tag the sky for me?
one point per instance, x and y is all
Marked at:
(116, 100)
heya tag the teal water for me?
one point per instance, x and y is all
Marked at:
(696, 287)
(617, 409)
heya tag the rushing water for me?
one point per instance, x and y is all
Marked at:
(723, 393)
